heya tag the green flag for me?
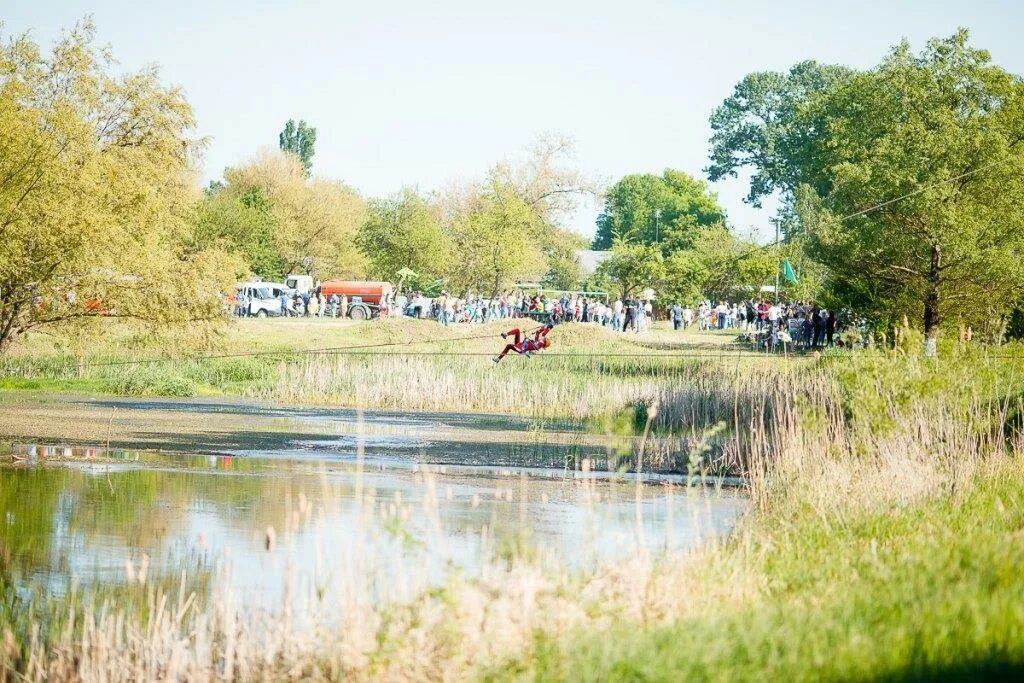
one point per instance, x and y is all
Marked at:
(787, 272)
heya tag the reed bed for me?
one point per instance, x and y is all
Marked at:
(839, 487)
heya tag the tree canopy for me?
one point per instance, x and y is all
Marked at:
(940, 133)
(483, 237)
(268, 212)
(631, 268)
(95, 191)
(759, 128)
(665, 210)
(404, 231)
(903, 181)
(676, 218)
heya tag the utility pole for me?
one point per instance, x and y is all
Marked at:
(778, 264)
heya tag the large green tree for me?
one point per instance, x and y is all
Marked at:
(498, 243)
(915, 192)
(404, 231)
(665, 210)
(759, 128)
(244, 225)
(299, 139)
(95, 190)
(905, 181)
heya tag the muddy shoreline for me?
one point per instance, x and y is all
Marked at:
(252, 429)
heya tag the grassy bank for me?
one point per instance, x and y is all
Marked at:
(930, 590)
(884, 542)
(588, 372)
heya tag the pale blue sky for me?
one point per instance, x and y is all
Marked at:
(420, 93)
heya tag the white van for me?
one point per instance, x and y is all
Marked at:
(264, 298)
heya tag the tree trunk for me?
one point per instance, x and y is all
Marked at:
(931, 303)
(8, 319)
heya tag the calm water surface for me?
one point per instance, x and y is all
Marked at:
(92, 516)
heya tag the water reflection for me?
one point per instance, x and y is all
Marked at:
(90, 515)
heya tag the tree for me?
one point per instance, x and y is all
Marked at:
(506, 228)
(684, 278)
(564, 270)
(940, 134)
(300, 140)
(498, 244)
(243, 225)
(546, 178)
(95, 189)
(664, 210)
(735, 268)
(631, 268)
(759, 127)
(404, 232)
(313, 222)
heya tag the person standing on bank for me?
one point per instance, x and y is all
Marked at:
(676, 313)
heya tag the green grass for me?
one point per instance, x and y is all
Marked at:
(931, 591)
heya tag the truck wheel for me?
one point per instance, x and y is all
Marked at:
(358, 313)
(262, 313)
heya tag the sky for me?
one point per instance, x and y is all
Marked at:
(417, 93)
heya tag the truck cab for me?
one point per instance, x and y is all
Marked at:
(299, 284)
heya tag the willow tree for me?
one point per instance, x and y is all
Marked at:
(95, 187)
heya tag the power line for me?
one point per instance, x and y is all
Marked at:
(888, 202)
(919, 190)
(357, 349)
(292, 352)
(370, 349)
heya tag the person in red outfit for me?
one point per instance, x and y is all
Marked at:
(526, 346)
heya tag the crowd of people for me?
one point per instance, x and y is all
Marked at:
(797, 325)
(308, 305)
(632, 315)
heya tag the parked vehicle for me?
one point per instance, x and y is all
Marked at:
(299, 284)
(365, 299)
(264, 298)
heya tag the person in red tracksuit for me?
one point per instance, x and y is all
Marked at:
(527, 346)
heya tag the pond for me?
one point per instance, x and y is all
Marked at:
(327, 516)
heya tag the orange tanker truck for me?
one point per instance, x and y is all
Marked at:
(365, 299)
